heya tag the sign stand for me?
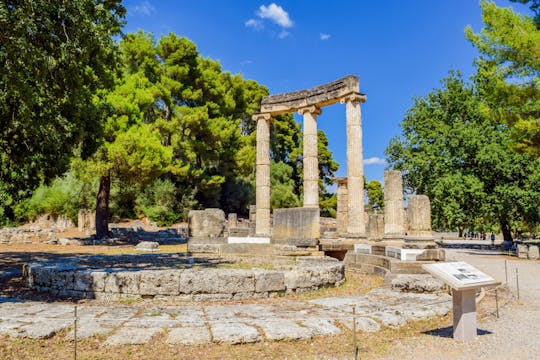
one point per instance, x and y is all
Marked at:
(464, 279)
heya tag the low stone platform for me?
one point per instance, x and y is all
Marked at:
(221, 246)
(382, 265)
(232, 324)
(177, 277)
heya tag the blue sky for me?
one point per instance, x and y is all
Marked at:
(399, 50)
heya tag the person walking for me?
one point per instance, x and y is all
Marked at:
(492, 238)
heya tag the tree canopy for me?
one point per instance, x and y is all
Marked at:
(452, 152)
(508, 72)
(54, 57)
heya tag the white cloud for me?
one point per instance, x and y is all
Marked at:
(144, 8)
(374, 161)
(256, 24)
(324, 36)
(276, 14)
(283, 34)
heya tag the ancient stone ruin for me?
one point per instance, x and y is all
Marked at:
(401, 233)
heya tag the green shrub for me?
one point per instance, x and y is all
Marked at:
(62, 197)
(162, 203)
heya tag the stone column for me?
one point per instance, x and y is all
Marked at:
(393, 205)
(262, 175)
(419, 234)
(342, 206)
(311, 160)
(356, 226)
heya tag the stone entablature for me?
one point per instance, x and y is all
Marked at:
(319, 96)
(81, 278)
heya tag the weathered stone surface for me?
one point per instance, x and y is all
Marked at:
(87, 328)
(417, 283)
(86, 220)
(375, 226)
(283, 329)
(43, 329)
(393, 205)
(522, 251)
(342, 206)
(419, 233)
(533, 252)
(234, 332)
(206, 223)
(296, 223)
(365, 324)
(65, 279)
(204, 248)
(262, 176)
(310, 158)
(192, 335)
(356, 224)
(320, 95)
(228, 323)
(269, 281)
(147, 246)
(321, 326)
(232, 221)
(132, 336)
(159, 282)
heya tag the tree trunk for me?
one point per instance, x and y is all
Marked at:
(505, 227)
(102, 207)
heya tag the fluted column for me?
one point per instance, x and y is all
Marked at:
(311, 160)
(262, 174)
(356, 226)
(342, 206)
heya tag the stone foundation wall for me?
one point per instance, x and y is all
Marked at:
(68, 279)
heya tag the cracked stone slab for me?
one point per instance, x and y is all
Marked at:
(362, 324)
(86, 328)
(43, 329)
(193, 335)
(283, 329)
(153, 317)
(234, 332)
(8, 327)
(321, 326)
(186, 315)
(248, 311)
(132, 336)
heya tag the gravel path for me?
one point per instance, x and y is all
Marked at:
(515, 335)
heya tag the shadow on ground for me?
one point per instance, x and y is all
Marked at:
(448, 332)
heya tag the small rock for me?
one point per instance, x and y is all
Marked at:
(522, 251)
(533, 252)
(417, 283)
(147, 246)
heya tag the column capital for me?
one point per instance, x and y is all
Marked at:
(261, 116)
(354, 98)
(310, 109)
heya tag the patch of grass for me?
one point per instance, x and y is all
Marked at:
(129, 301)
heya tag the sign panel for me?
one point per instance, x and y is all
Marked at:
(460, 275)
